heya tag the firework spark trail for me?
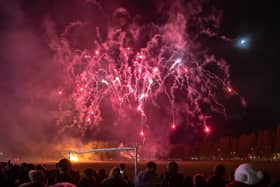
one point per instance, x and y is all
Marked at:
(128, 78)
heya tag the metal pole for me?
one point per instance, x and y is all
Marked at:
(135, 162)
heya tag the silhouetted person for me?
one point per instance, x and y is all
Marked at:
(114, 179)
(22, 176)
(217, 180)
(172, 178)
(101, 176)
(37, 179)
(199, 181)
(188, 182)
(245, 175)
(65, 172)
(3, 174)
(123, 171)
(277, 184)
(148, 178)
(88, 178)
(266, 179)
(124, 175)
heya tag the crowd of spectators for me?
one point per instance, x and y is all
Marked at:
(30, 175)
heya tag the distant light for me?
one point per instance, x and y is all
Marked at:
(142, 133)
(60, 92)
(173, 126)
(81, 89)
(207, 129)
(243, 42)
(243, 102)
(97, 52)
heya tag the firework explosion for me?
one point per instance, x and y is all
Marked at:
(139, 68)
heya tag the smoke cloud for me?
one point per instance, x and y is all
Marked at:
(31, 77)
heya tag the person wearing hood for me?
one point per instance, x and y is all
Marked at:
(246, 175)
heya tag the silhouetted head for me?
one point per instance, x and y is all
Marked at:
(247, 174)
(36, 176)
(90, 172)
(172, 167)
(199, 180)
(220, 170)
(122, 167)
(115, 172)
(151, 167)
(64, 165)
(102, 172)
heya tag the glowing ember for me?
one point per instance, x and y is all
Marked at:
(139, 108)
(155, 70)
(207, 129)
(141, 57)
(229, 89)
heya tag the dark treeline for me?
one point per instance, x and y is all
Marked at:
(264, 144)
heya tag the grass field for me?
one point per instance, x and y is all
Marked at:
(185, 167)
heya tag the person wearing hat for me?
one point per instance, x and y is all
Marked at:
(246, 175)
(37, 179)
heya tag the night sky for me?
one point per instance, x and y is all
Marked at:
(254, 70)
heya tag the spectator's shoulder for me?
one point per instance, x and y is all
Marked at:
(31, 184)
(141, 174)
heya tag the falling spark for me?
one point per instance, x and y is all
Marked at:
(207, 129)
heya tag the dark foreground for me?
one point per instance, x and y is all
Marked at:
(185, 167)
